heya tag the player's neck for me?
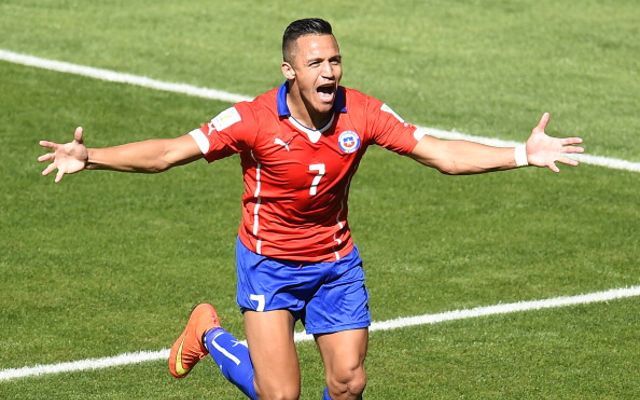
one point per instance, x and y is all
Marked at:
(305, 114)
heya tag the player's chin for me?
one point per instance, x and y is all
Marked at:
(325, 102)
(324, 108)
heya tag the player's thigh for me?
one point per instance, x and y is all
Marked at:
(273, 353)
(343, 354)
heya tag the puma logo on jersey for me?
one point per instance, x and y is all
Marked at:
(282, 143)
(211, 128)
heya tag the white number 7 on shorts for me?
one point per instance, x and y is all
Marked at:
(260, 299)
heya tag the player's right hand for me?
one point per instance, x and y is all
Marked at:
(67, 158)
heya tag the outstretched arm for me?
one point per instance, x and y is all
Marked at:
(458, 157)
(150, 156)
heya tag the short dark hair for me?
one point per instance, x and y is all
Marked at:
(302, 27)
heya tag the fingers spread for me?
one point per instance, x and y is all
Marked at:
(568, 161)
(570, 141)
(46, 157)
(77, 135)
(59, 176)
(47, 144)
(573, 149)
(50, 168)
(543, 122)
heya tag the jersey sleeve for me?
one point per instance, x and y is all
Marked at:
(230, 132)
(389, 130)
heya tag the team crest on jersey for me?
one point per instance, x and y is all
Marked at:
(349, 141)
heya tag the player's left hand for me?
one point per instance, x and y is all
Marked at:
(544, 150)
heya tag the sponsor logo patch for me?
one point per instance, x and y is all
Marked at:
(388, 109)
(225, 119)
(349, 141)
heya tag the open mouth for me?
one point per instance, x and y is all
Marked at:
(326, 93)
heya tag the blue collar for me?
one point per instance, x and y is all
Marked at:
(283, 109)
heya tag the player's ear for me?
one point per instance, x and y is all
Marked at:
(287, 70)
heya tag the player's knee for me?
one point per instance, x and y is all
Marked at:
(355, 387)
(347, 385)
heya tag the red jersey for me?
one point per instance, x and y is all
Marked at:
(297, 179)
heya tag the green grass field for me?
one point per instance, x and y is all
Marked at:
(105, 263)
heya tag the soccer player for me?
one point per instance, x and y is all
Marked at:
(299, 146)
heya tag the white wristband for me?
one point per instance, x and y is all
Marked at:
(520, 156)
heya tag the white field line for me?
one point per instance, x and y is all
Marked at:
(427, 319)
(112, 76)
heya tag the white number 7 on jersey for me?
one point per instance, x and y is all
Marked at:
(319, 168)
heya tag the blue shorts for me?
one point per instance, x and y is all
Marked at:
(326, 297)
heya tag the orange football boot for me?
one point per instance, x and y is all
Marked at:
(189, 348)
